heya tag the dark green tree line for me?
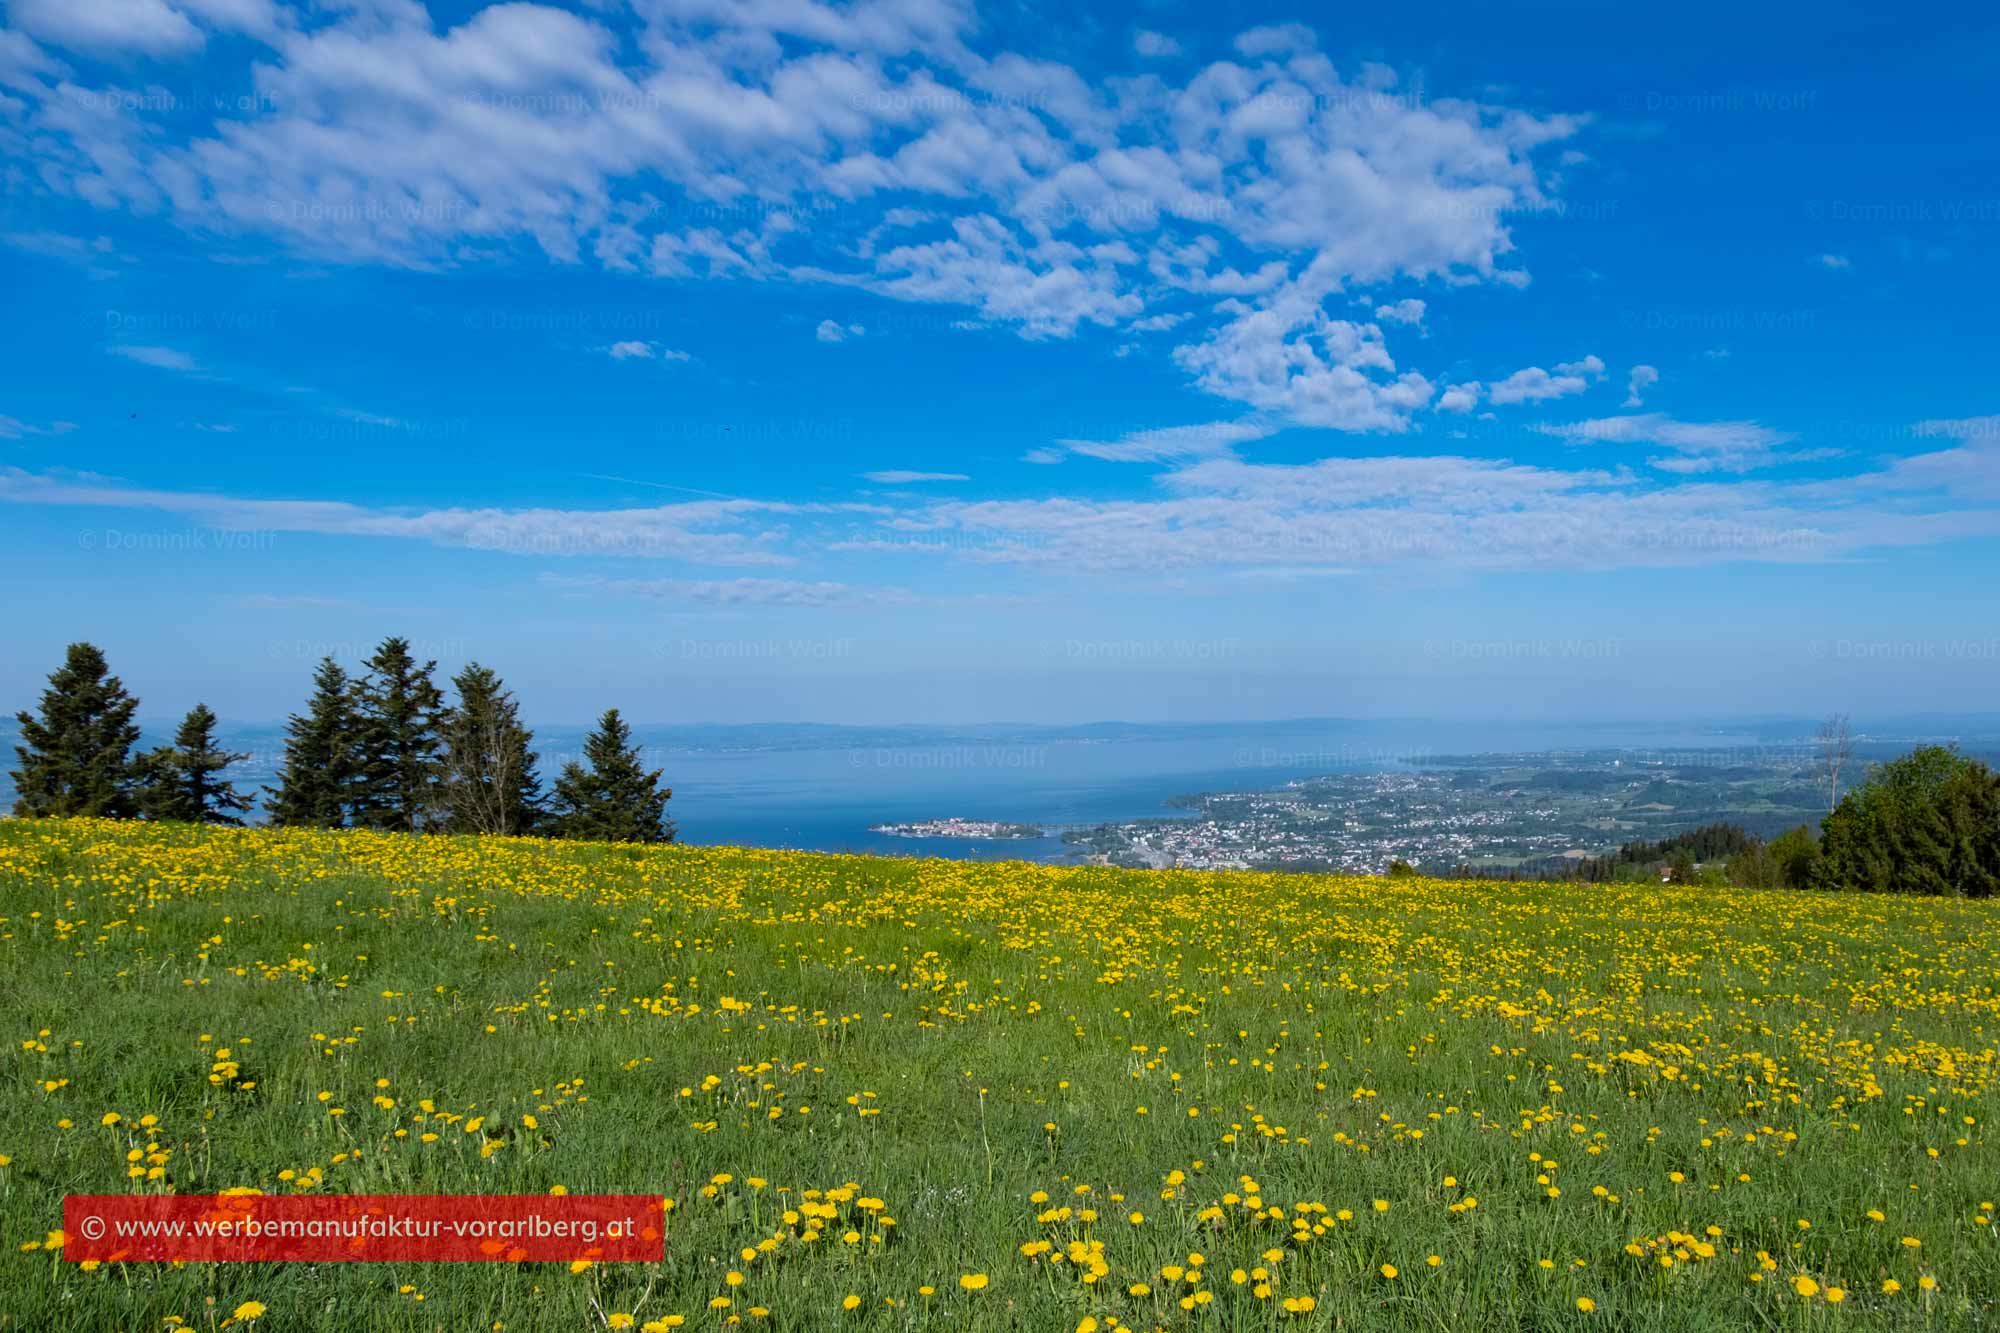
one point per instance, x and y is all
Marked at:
(387, 751)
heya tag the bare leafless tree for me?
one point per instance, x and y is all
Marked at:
(479, 777)
(1836, 747)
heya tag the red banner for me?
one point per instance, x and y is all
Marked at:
(364, 1228)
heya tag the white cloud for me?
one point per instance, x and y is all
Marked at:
(716, 532)
(1407, 311)
(1699, 446)
(735, 593)
(1154, 45)
(1459, 397)
(1833, 261)
(1158, 323)
(108, 27)
(1046, 288)
(1641, 379)
(1216, 514)
(1222, 515)
(13, 428)
(634, 349)
(1533, 384)
(1345, 514)
(1289, 357)
(1168, 443)
(1970, 470)
(903, 477)
(864, 145)
(366, 418)
(161, 358)
(831, 332)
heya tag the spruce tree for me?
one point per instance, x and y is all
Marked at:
(487, 781)
(399, 707)
(182, 781)
(615, 799)
(316, 785)
(76, 758)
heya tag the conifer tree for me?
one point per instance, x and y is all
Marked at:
(76, 757)
(182, 781)
(316, 785)
(487, 781)
(615, 799)
(399, 706)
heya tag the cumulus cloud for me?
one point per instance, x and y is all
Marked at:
(1154, 45)
(1533, 384)
(1291, 358)
(1641, 379)
(1407, 311)
(1460, 397)
(1833, 261)
(831, 332)
(904, 477)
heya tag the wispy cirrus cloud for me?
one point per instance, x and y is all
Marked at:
(719, 532)
(634, 349)
(1698, 446)
(734, 593)
(160, 358)
(1165, 443)
(13, 428)
(905, 477)
(1414, 513)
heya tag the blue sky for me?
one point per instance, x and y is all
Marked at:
(906, 360)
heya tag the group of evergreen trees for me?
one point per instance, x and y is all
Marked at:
(382, 750)
(76, 756)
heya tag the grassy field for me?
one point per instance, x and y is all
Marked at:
(999, 1096)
